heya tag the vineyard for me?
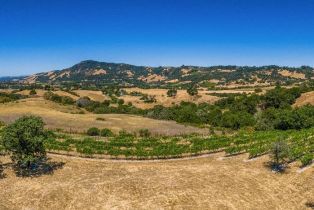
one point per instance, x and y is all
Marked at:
(128, 146)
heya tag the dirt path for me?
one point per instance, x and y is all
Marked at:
(197, 183)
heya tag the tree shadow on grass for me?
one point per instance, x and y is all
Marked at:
(277, 168)
(310, 205)
(2, 174)
(44, 167)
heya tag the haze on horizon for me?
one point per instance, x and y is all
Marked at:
(39, 36)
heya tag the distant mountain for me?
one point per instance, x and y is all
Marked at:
(126, 74)
(9, 79)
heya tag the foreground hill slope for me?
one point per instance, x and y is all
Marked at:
(126, 74)
(201, 183)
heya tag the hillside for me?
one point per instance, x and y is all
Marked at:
(201, 183)
(70, 118)
(131, 75)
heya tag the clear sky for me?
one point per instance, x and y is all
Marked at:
(42, 35)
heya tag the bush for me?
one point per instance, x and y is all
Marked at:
(120, 101)
(66, 100)
(144, 133)
(148, 99)
(100, 119)
(285, 119)
(32, 92)
(307, 159)
(124, 134)
(258, 90)
(83, 102)
(281, 97)
(24, 139)
(106, 102)
(192, 90)
(106, 132)
(93, 131)
(2, 124)
(279, 154)
(172, 92)
(236, 120)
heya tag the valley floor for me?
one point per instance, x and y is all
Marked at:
(211, 182)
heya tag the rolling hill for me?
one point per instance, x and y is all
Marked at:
(131, 75)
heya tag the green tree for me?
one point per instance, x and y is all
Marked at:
(120, 101)
(172, 92)
(93, 131)
(144, 133)
(281, 97)
(106, 132)
(32, 92)
(279, 154)
(236, 120)
(24, 140)
(192, 90)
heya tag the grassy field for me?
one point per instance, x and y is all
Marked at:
(209, 182)
(159, 94)
(68, 118)
(162, 99)
(304, 99)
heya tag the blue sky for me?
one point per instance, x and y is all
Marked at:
(37, 35)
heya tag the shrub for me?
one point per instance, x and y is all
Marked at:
(32, 92)
(307, 159)
(144, 133)
(106, 132)
(2, 124)
(67, 100)
(172, 92)
(9, 97)
(83, 102)
(120, 101)
(106, 102)
(236, 120)
(192, 90)
(24, 139)
(258, 90)
(123, 133)
(93, 131)
(281, 97)
(148, 99)
(279, 154)
(58, 99)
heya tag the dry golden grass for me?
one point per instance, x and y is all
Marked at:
(295, 75)
(304, 99)
(200, 183)
(63, 93)
(6, 90)
(94, 95)
(162, 99)
(152, 78)
(63, 117)
(40, 93)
